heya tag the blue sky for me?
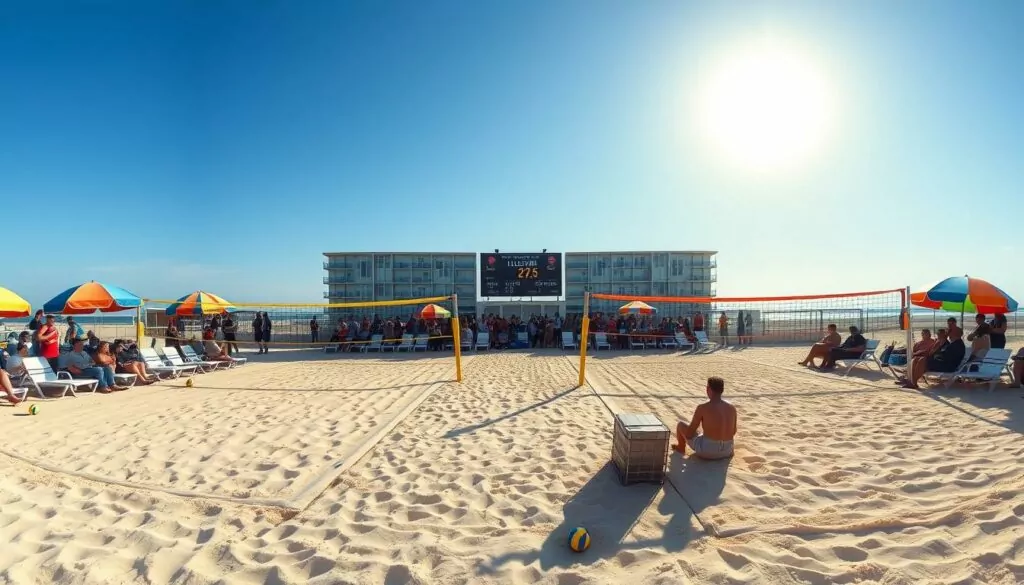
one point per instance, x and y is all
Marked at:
(166, 147)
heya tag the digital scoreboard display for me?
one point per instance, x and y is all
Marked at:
(521, 275)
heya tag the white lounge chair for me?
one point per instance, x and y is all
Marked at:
(636, 342)
(483, 341)
(703, 341)
(466, 341)
(989, 369)
(193, 358)
(405, 344)
(682, 341)
(669, 342)
(867, 357)
(601, 340)
(420, 343)
(41, 375)
(374, 344)
(175, 359)
(948, 377)
(568, 341)
(20, 392)
(155, 363)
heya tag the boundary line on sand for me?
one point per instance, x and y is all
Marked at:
(297, 504)
(315, 488)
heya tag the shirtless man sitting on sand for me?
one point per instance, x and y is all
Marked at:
(718, 419)
(821, 349)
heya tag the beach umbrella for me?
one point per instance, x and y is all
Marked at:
(966, 295)
(200, 303)
(91, 297)
(637, 308)
(435, 312)
(12, 306)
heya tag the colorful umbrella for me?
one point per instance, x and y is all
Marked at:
(637, 308)
(435, 312)
(200, 303)
(965, 295)
(11, 305)
(91, 297)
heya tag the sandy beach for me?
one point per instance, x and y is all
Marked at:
(303, 467)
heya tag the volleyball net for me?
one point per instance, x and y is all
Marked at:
(420, 324)
(628, 322)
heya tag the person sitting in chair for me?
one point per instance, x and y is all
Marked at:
(946, 357)
(852, 348)
(717, 418)
(825, 344)
(214, 352)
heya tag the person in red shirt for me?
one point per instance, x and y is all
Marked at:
(698, 322)
(49, 342)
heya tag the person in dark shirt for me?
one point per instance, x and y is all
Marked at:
(998, 332)
(947, 358)
(852, 348)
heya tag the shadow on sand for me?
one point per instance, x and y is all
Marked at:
(610, 511)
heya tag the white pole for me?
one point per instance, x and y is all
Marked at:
(910, 332)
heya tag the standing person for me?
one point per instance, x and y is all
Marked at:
(558, 330)
(997, 332)
(257, 331)
(74, 330)
(230, 331)
(266, 332)
(698, 322)
(741, 331)
(723, 328)
(749, 326)
(314, 330)
(34, 326)
(49, 342)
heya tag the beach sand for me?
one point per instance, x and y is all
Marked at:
(303, 467)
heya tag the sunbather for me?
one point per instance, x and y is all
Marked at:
(717, 418)
(5, 383)
(946, 358)
(214, 352)
(129, 361)
(852, 348)
(80, 364)
(824, 345)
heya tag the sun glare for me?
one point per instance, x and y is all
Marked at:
(766, 108)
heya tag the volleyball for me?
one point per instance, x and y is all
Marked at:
(188, 383)
(579, 539)
(33, 410)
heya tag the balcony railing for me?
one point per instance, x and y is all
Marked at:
(339, 279)
(338, 265)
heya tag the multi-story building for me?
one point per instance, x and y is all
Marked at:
(380, 276)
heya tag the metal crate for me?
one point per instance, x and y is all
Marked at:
(640, 448)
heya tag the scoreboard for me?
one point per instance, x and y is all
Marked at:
(521, 275)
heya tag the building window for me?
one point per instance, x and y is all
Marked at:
(364, 269)
(380, 291)
(383, 262)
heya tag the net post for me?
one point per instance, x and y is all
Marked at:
(584, 338)
(457, 337)
(910, 329)
(140, 326)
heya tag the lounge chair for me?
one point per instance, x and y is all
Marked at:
(683, 341)
(156, 364)
(405, 344)
(636, 342)
(420, 343)
(867, 357)
(990, 369)
(20, 392)
(703, 341)
(466, 341)
(192, 357)
(375, 343)
(948, 377)
(601, 340)
(483, 341)
(568, 341)
(41, 375)
(175, 359)
(669, 342)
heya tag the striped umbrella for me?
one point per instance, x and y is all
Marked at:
(12, 306)
(435, 312)
(91, 297)
(200, 303)
(637, 308)
(965, 294)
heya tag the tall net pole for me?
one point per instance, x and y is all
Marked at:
(457, 337)
(584, 338)
(910, 327)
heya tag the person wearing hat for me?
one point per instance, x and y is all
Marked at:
(49, 342)
(81, 365)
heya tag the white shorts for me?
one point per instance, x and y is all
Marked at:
(706, 448)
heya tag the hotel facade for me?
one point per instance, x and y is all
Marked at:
(385, 276)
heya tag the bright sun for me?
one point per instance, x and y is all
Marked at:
(766, 108)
